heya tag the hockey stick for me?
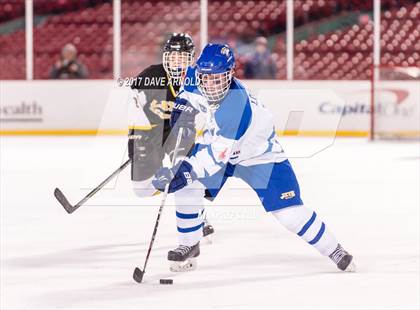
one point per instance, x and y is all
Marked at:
(138, 273)
(70, 208)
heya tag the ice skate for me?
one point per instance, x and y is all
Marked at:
(343, 259)
(207, 229)
(183, 258)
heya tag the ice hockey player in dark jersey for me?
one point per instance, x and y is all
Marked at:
(154, 92)
(150, 106)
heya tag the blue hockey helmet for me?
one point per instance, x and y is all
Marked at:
(214, 72)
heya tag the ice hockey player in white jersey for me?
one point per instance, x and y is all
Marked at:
(239, 140)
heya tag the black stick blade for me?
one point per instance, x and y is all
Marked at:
(63, 201)
(138, 275)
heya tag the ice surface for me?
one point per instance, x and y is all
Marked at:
(367, 193)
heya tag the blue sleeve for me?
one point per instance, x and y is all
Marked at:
(190, 81)
(234, 114)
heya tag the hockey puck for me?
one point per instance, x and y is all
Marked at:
(166, 281)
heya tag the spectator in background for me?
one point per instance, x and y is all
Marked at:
(261, 64)
(68, 66)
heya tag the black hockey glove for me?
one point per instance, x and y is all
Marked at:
(183, 116)
(141, 145)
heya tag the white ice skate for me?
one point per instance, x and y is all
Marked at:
(183, 258)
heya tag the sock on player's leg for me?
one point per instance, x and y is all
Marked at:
(307, 224)
(189, 207)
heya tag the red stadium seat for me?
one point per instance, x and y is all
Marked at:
(344, 54)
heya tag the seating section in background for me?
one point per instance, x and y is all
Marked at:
(90, 30)
(344, 54)
(10, 9)
(348, 54)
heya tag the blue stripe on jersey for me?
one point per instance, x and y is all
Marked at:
(307, 225)
(186, 215)
(270, 144)
(190, 82)
(214, 158)
(245, 121)
(197, 148)
(319, 235)
(235, 104)
(190, 229)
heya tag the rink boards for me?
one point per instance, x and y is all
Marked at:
(301, 108)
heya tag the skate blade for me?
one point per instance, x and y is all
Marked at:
(188, 265)
(351, 267)
(208, 239)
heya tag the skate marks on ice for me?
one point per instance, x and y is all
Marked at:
(99, 277)
(131, 293)
(84, 256)
(223, 266)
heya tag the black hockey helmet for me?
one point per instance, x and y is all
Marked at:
(178, 54)
(179, 42)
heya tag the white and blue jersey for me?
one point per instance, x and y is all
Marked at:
(239, 140)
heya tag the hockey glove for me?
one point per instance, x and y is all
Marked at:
(178, 177)
(141, 144)
(183, 116)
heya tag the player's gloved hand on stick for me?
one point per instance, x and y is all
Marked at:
(177, 177)
(183, 116)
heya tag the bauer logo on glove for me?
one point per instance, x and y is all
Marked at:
(178, 177)
(182, 107)
(188, 177)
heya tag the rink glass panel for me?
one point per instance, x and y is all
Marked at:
(12, 40)
(395, 103)
(145, 27)
(88, 25)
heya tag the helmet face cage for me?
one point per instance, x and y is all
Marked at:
(176, 63)
(214, 86)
